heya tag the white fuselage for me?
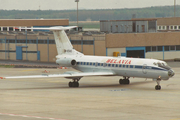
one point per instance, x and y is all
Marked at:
(121, 66)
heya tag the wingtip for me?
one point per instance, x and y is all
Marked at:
(2, 77)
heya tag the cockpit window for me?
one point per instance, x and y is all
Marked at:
(155, 63)
(163, 65)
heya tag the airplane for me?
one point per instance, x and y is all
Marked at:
(88, 65)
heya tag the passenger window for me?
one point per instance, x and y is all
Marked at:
(90, 63)
(120, 65)
(112, 65)
(131, 66)
(109, 65)
(94, 64)
(87, 63)
(127, 66)
(105, 65)
(124, 66)
(117, 65)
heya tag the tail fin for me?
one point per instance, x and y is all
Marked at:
(63, 43)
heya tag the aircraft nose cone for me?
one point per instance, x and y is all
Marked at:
(171, 73)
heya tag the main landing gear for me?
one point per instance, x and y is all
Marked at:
(75, 82)
(124, 81)
(158, 87)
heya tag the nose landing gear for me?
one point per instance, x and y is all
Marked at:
(158, 87)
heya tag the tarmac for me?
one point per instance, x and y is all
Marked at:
(97, 98)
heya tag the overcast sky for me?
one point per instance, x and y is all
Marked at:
(83, 4)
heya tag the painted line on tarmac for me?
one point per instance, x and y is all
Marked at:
(28, 116)
(29, 70)
(115, 90)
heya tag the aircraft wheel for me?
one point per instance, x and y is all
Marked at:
(76, 84)
(127, 81)
(73, 84)
(121, 81)
(70, 84)
(158, 87)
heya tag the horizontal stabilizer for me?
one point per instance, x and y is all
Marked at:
(50, 28)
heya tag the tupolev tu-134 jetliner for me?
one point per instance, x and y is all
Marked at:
(101, 65)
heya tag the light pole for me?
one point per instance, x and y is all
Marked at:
(174, 8)
(77, 10)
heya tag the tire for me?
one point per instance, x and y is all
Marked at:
(77, 84)
(127, 82)
(158, 87)
(70, 84)
(121, 81)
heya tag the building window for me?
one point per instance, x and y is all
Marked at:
(4, 28)
(137, 28)
(88, 42)
(166, 48)
(10, 28)
(76, 42)
(11, 41)
(167, 27)
(159, 48)
(172, 27)
(159, 27)
(172, 48)
(148, 49)
(164, 27)
(178, 47)
(51, 41)
(175, 27)
(143, 28)
(154, 48)
(179, 27)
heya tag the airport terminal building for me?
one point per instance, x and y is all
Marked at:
(157, 38)
(148, 38)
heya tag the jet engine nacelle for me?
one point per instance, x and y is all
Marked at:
(66, 62)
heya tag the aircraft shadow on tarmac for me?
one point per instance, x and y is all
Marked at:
(82, 86)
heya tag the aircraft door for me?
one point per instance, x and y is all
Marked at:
(144, 69)
(96, 67)
(96, 64)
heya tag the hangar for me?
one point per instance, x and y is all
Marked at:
(157, 38)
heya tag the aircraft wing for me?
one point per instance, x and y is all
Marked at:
(65, 75)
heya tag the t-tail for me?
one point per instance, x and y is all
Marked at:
(63, 43)
(64, 47)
